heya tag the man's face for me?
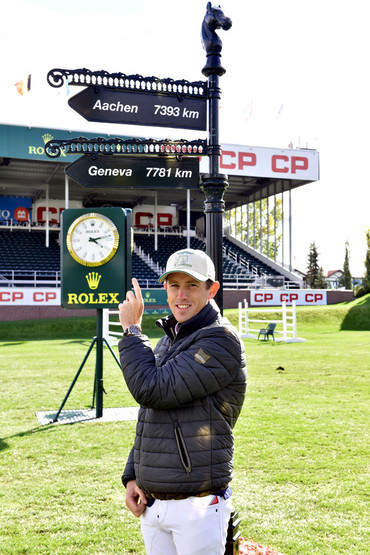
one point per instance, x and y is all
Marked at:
(187, 296)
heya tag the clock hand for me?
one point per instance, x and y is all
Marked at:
(98, 238)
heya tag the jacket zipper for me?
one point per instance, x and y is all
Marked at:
(141, 454)
(184, 455)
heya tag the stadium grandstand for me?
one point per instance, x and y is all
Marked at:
(34, 190)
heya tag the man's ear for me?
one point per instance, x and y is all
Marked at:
(213, 289)
(165, 285)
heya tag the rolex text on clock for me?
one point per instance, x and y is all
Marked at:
(92, 239)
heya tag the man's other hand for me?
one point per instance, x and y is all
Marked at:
(136, 500)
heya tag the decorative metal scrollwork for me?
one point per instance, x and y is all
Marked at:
(81, 145)
(84, 77)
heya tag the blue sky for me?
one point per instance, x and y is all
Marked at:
(296, 74)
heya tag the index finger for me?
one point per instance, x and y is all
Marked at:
(137, 289)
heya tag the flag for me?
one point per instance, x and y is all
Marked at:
(248, 111)
(280, 110)
(24, 86)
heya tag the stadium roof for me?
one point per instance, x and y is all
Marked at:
(253, 172)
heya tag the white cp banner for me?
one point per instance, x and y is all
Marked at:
(28, 296)
(267, 162)
(276, 297)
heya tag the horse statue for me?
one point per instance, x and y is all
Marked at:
(212, 44)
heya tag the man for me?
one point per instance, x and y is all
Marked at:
(191, 390)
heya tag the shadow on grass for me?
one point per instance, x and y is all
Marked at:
(59, 328)
(65, 342)
(64, 328)
(358, 316)
(4, 445)
(275, 343)
(77, 341)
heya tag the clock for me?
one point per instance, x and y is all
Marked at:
(92, 239)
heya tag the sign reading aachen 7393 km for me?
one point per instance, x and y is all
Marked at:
(136, 108)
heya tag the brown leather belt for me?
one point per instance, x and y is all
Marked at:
(179, 496)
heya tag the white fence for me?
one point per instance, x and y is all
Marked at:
(288, 322)
(111, 336)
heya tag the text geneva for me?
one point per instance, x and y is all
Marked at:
(152, 172)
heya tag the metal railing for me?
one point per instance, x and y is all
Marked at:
(28, 225)
(29, 278)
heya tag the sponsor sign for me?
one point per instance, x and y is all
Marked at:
(152, 297)
(267, 162)
(52, 212)
(138, 108)
(139, 172)
(24, 296)
(95, 257)
(276, 297)
(17, 209)
(144, 216)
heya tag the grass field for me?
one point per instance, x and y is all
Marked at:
(301, 479)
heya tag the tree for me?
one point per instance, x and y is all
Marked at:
(367, 263)
(321, 282)
(346, 279)
(314, 274)
(365, 287)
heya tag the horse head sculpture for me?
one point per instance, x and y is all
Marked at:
(214, 19)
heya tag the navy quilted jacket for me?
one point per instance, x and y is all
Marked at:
(191, 391)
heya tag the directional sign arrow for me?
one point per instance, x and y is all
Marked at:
(143, 172)
(141, 108)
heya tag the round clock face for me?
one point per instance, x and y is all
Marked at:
(92, 239)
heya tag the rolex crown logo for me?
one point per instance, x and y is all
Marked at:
(47, 137)
(93, 279)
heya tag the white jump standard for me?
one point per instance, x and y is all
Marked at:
(288, 322)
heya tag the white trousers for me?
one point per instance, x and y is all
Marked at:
(192, 526)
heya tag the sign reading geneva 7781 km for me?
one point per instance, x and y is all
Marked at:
(141, 171)
(136, 108)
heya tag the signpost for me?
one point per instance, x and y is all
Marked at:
(102, 104)
(139, 172)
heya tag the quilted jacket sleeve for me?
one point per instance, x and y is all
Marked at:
(129, 472)
(205, 362)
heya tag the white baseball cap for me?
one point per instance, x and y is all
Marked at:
(195, 263)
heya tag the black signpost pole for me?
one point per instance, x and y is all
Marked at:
(99, 389)
(214, 184)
